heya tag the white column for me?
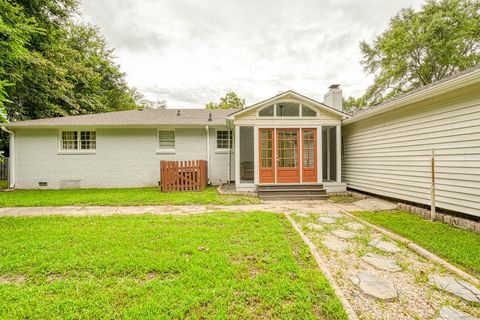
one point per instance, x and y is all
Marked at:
(339, 152)
(328, 154)
(319, 155)
(256, 165)
(237, 155)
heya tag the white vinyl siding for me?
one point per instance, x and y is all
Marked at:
(390, 154)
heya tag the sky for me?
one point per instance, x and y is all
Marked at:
(191, 52)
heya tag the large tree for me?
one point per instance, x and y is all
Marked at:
(230, 101)
(51, 65)
(420, 47)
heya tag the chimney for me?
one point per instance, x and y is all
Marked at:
(333, 98)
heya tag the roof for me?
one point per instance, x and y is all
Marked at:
(294, 94)
(446, 84)
(146, 117)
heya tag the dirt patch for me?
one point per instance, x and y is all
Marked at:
(16, 279)
(53, 277)
(344, 198)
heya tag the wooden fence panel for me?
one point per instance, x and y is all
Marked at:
(191, 175)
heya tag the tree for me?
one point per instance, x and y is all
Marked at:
(55, 66)
(421, 47)
(230, 101)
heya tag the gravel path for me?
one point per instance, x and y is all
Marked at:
(380, 278)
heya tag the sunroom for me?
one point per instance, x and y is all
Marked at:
(289, 140)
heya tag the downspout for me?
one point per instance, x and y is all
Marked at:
(230, 159)
(11, 169)
(208, 152)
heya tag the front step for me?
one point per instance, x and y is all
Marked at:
(292, 192)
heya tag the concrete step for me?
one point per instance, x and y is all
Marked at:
(273, 197)
(289, 186)
(292, 192)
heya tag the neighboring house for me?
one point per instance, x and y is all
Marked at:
(287, 139)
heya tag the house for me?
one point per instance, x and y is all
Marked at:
(289, 139)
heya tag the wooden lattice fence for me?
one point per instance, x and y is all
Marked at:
(183, 175)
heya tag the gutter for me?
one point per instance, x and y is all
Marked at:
(11, 169)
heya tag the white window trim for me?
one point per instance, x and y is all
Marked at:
(76, 151)
(157, 141)
(300, 112)
(224, 150)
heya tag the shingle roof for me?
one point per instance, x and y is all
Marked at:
(418, 90)
(147, 117)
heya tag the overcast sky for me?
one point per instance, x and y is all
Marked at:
(190, 52)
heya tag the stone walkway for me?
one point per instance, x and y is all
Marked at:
(272, 206)
(382, 279)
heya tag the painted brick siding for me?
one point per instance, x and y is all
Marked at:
(124, 158)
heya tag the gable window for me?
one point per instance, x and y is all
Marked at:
(307, 112)
(224, 139)
(78, 140)
(288, 109)
(266, 112)
(166, 141)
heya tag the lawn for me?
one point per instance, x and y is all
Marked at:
(117, 197)
(457, 246)
(221, 265)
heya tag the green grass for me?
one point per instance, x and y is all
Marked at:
(222, 265)
(3, 184)
(460, 247)
(117, 197)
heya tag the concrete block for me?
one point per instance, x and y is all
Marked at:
(439, 217)
(477, 227)
(463, 223)
(447, 219)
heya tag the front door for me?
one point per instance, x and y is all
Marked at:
(288, 165)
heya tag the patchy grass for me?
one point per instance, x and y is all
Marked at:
(460, 247)
(343, 198)
(117, 197)
(222, 265)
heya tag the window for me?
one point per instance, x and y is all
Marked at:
(266, 112)
(78, 140)
(307, 112)
(224, 139)
(166, 141)
(288, 109)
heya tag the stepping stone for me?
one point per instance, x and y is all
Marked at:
(449, 313)
(303, 215)
(354, 226)
(382, 263)
(327, 220)
(459, 288)
(333, 214)
(344, 234)
(336, 245)
(315, 227)
(386, 246)
(374, 286)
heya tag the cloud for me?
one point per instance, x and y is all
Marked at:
(191, 52)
